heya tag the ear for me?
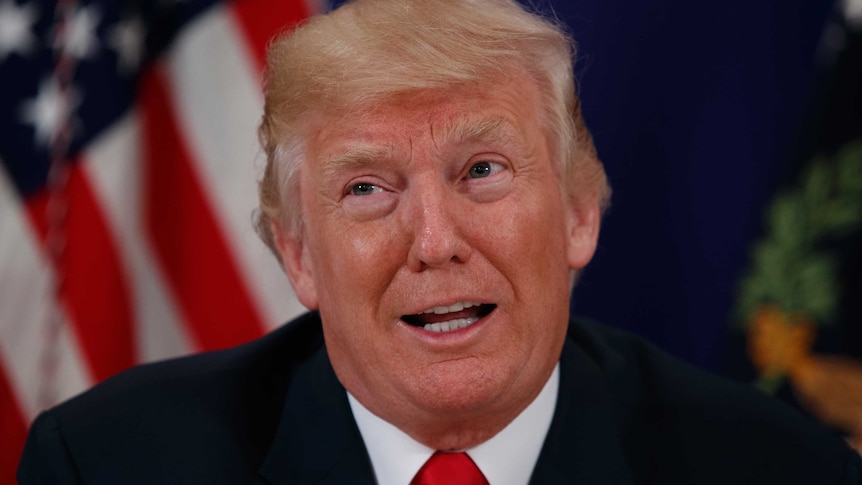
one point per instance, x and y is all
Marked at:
(297, 265)
(583, 221)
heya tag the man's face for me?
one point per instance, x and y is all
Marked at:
(440, 210)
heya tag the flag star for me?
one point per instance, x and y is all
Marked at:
(77, 37)
(127, 38)
(16, 28)
(49, 111)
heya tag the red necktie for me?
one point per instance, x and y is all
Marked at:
(449, 469)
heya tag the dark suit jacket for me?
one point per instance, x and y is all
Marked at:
(273, 411)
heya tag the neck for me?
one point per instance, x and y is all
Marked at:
(461, 429)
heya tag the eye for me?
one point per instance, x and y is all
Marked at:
(364, 188)
(484, 169)
(488, 178)
(365, 201)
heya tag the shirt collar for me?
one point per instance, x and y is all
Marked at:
(506, 459)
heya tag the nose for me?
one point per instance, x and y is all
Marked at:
(435, 221)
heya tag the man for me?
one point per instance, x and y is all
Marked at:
(431, 192)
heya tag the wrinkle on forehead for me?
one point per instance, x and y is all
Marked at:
(462, 129)
(484, 119)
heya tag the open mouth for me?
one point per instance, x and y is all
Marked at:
(449, 318)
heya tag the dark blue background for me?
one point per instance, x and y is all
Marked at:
(696, 109)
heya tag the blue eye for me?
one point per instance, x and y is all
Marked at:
(363, 189)
(484, 169)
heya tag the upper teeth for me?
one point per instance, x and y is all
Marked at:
(457, 307)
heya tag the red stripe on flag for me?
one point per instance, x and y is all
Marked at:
(13, 430)
(92, 282)
(262, 20)
(185, 235)
(37, 210)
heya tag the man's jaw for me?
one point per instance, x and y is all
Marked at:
(443, 319)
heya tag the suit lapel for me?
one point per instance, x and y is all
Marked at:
(317, 439)
(582, 445)
(318, 442)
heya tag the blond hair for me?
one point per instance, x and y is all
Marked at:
(371, 50)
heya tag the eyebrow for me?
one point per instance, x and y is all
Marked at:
(467, 129)
(356, 157)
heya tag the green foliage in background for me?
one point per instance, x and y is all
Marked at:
(792, 266)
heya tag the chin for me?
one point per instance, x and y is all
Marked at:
(462, 415)
(462, 387)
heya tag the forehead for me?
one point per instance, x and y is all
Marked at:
(506, 111)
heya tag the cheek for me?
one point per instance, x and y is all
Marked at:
(356, 260)
(532, 240)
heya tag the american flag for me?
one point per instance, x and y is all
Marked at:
(128, 161)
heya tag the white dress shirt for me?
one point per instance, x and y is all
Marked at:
(506, 459)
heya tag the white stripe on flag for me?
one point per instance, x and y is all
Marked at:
(28, 310)
(113, 165)
(72, 375)
(216, 86)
